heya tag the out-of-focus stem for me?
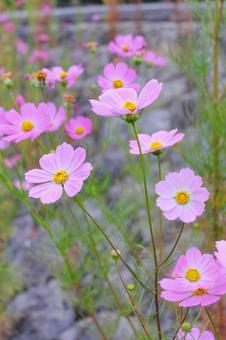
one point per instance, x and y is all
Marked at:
(161, 241)
(148, 208)
(133, 303)
(181, 322)
(212, 323)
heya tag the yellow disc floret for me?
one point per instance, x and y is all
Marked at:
(117, 83)
(125, 48)
(27, 126)
(156, 145)
(192, 275)
(182, 197)
(60, 177)
(129, 105)
(199, 292)
(63, 75)
(79, 130)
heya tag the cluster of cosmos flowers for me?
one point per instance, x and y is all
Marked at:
(197, 279)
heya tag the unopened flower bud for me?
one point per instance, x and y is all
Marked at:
(20, 100)
(131, 118)
(137, 61)
(131, 287)
(115, 255)
(186, 327)
(8, 83)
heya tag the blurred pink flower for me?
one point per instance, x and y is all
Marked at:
(20, 3)
(78, 128)
(221, 252)
(28, 124)
(181, 196)
(154, 59)
(62, 170)
(38, 56)
(42, 37)
(126, 101)
(118, 76)
(9, 26)
(155, 142)
(195, 334)
(24, 185)
(20, 100)
(95, 17)
(11, 162)
(127, 45)
(68, 77)
(3, 143)
(21, 46)
(56, 118)
(46, 9)
(3, 17)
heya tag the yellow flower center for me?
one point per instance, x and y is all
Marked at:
(27, 126)
(125, 48)
(63, 75)
(192, 275)
(199, 292)
(60, 177)
(156, 145)
(118, 83)
(79, 130)
(129, 105)
(182, 197)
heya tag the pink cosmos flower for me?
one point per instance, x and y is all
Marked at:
(62, 170)
(195, 334)
(95, 17)
(20, 100)
(28, 124)
(24, 186)
(127, 45)
(11, 162)
(78, 128)
(221, 252)
(21, 46)
(126, 101)
(38, 56)
(3, 143)
(118, 76)
(56, 118)
(199, 280)
(154, 59)
(68, 77)
(157, 141)
(181, 196)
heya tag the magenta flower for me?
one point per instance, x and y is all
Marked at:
(126, 101)
(78, 128)
(127, 45)
(56, 118)
(68, 77)
(154, 59)
(12, 162)
(61, 171)
(181, 196)
(157, 141)
(38, 56)
(195, 269)
(28, 124)
(199, 280)
(221, 252)
(195, 334)
(118, 76)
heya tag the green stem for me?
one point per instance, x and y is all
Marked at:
(182, 321)
(148, 208)
(161, 240)
(112, 245)
(212, 323)
(174, 246)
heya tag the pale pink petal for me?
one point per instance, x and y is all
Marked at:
(149, 93)
(38, 176)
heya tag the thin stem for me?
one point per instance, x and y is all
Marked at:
(174, 247)
(148, 208)
(212, 323)
(133, 303)
(159, 167)
(181, 322)
(93, 316)
(112, 246)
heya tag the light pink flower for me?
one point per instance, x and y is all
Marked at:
(68, 77)
(20, 100)
(38, 56)
(221, 252)
(28, 124)
(78, 128)
(3, 143)
(195, 334)
(118, 76)
(21, 46)
(199, 280)
(157, 141)
(154, 59)
(181, 196)
(126, 101)
(96, 17)
(127, 45)
(9, 26)
(56, 118)
(24, 185)
(62, 170)
(11, 162)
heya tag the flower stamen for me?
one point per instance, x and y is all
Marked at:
(155, 145)
(129, 105)
(199, 292)
(63, 75)
(60, 177)
(117, 83)
(79, 130)
(193, 275)
(182, 197)
(27, 126)
(125, 48)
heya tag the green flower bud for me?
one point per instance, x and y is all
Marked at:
(186, 327)
(115, 255)
(131, 287)
(8, 83)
